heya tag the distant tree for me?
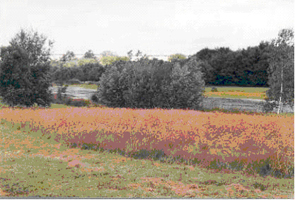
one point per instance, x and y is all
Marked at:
(177, 56)
(107, 53)
(85, 61)
(68, 56)
(25, 70)
(61, 75)
(205, 54)
(108, 60)
(281, 69)
(89, 54)
(244, 67)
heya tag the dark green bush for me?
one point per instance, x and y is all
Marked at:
(21, 81)
(152, 84)
(94, 98)
(76, 74)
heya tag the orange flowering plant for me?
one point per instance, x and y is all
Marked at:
(207, 137)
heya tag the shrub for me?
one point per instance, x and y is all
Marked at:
(85, 61)
(94, 98)
(108, 60)
(152, 84)
(89, 55)
(25, 71)
(177, 56)
(79, 102)
(61, 75)
(214, 89)
(187, 86)
(111, 88)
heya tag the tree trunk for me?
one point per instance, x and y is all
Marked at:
(281, 92)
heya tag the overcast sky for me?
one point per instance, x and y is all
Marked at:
(155, 27)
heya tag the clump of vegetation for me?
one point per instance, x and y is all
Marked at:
(152, 84)
(177, 56)
(281, 70)
(25, 71)
(214, 89)
(94, 98)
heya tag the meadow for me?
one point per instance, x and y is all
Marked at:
(237, 92)
(105, 152)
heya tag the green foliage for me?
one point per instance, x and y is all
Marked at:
(61, 95)
(90, 72)
(86, 72)
(151, 84)
(94, 98)
(108, 60)
(177, 56)
(77, 102)
(70, 64)
(245, 67)
(137, 56)
(61, 75)
(68, 56)
(110, 92)
(187, 86)
(281, 68)
(89, 55)
(85, 61)
(25, 71)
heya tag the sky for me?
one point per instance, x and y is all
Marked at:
(155, 27)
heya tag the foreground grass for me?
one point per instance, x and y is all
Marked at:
(35, 166)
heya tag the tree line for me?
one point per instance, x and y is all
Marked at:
(26, 70)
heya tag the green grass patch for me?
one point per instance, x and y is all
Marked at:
(238, 89)
(236, 92)
(86, 86)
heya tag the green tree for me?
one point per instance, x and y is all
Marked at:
(152, 84)
(89, 54)
(68, 56)
(25, 70)
(281, 69)
(137, 56)
(108, 60)
(177, 56)
(85, 61)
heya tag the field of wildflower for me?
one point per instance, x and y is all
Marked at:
(206, 138)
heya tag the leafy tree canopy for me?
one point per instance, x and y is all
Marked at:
(89, 54)
(68, 56)
(177, 56)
